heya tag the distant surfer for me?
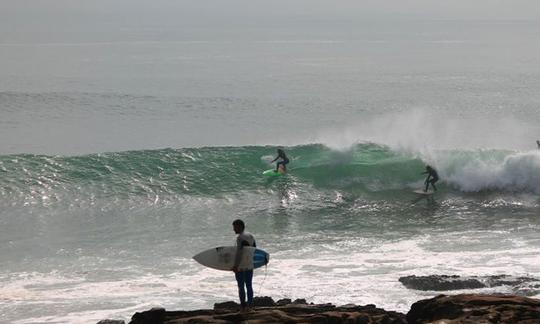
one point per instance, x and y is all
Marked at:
(244, 276)
(283, 160)
(431, 178)
(538, 144)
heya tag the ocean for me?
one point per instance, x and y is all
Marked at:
(127, 148)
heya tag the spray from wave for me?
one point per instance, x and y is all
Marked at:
(476, 171)
(424, 130)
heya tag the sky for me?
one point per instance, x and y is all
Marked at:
(33, 20)
(198, 11)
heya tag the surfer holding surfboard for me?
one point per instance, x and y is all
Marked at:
(242, 259)
(243, 271)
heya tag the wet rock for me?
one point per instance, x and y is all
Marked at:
(109, 321)
(154, 315)
(440, 282)
(465, 308)
(226, 305)
(300, 301)
(290, 313)
(283, 302)
(469, 309)
(519, 285)
(263, 301)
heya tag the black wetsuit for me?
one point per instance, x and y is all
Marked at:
(284, 160)
(431, 178)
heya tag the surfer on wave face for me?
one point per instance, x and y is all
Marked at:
(283, 162)
(431, 178)
(244, 277)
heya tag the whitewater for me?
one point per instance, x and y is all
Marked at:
(104, 235)
(133, 134)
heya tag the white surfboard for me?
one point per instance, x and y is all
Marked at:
(223, 257)
(422, 192)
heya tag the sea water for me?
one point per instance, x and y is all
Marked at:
(125, 153)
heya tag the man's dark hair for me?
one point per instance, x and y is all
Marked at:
(240, 223)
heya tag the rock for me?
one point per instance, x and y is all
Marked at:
(291, 313)
(227, 305)
(109, 321)
(469, 308)
(153, 316)
(440, 282)
(465, 308)
(283, 302)
(521, 285)
(263, 301)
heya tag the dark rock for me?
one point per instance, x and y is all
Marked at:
(283, 302)
(227, 305)
(109, 321)
(440, 282)
(153, 316)
(300, 301)
(521, 285)
(263, 301)
(291, 313)
(517, 283)
(468, 308)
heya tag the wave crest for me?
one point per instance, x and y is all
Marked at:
(494, 170)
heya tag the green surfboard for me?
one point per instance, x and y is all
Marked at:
(272, 173)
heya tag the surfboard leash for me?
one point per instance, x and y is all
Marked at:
(265, 274)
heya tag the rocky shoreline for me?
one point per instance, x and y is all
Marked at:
(462, 308)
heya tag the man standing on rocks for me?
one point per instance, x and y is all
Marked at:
(243, 270)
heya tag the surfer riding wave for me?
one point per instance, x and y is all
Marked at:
(431, 178)
(283, 162)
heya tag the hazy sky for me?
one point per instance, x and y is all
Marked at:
(215, 11)
(45, 20)
(456, 8)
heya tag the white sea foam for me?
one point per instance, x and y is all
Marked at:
(513, 172)
(358, 270)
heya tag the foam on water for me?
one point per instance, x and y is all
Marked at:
(115, 232)
(514, 171)
(356, 270)
(87, 235)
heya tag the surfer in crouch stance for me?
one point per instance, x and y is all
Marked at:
(243, 273)
(283, 162)
(431, 178)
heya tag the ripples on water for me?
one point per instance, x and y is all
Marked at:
(120, 228)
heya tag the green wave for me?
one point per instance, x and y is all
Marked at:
(214, 172)
(203, 171)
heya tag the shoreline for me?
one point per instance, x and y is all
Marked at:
(462, 308)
